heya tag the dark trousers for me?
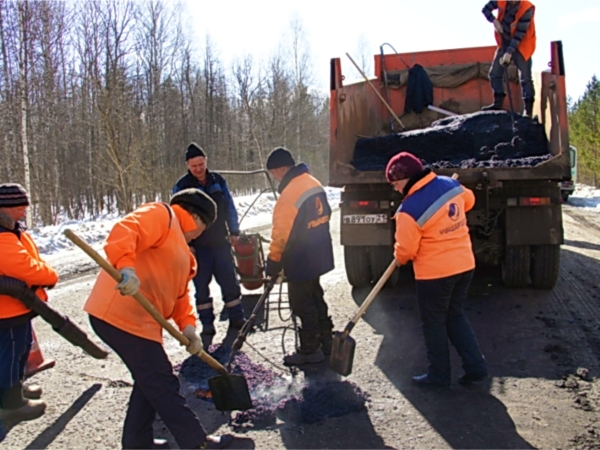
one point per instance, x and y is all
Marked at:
(217, 261)
(524, 67)
(155, 390)
(15, 345)
(441, 308)
(308, 303)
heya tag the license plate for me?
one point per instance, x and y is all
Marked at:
(365, 219)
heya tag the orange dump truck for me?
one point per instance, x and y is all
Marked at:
(517, 222)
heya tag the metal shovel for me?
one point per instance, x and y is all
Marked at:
(342, 352)
(229, 392)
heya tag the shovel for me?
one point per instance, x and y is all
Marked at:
(342, 352)
(229, 392)
(241, 337)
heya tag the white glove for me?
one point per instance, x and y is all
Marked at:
(505, 59)
(498, 26)
(195, 345)
(130, 284)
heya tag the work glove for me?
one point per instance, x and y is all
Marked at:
(279, 278)
(498, 26)
(195, 345)
(273, 268)
(130, 284)
(505, 59)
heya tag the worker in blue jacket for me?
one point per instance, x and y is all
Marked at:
(213, 247)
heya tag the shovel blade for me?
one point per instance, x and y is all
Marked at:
(342, 354)
(230, 393)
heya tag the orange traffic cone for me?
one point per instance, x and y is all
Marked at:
(36, 362)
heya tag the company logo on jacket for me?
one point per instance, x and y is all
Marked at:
(319, 206)
(453, 212)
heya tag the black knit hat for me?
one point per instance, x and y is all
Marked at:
(280, 157)
(12, 195)
(194, 150)
(195, 201)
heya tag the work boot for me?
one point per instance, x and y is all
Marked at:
(209, 329)
(215, 442)
(309, 352)
(16, 408)
(497, 105)
(237, 323)
(326, 330)
(32, 392)
(528, 107)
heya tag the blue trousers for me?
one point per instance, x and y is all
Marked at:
(15, 345)
(443, 319)
(217, 262)
(524, 67)
(155, 390)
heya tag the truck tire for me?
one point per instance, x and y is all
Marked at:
(545, 266)
(516, 265)
(381, 257)
(358, 267)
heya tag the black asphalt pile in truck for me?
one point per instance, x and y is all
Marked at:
(480, 139)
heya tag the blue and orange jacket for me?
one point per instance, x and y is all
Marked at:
(151, 240)
(20, 259)
(300, 239)
(431, 228)
(227, 216)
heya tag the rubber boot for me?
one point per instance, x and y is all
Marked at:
(16, 408)
(326, 330)
(309, 352)
(207, 319)
(497, 105)
(528, 107)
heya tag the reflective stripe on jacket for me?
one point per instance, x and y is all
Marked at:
(431, 228)
(20, 259)
(527, 45)
(300, 238)
(149, 239)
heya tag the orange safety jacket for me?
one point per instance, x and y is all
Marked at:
(151, 240)
(431, 228)
(20, 259)
(527, 45)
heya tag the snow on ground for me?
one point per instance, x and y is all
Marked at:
(257, 210)
(587, 197)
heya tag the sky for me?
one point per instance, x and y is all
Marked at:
(332, 29)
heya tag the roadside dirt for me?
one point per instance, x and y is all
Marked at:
(543, 348)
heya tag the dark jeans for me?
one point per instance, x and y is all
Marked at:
(524, 67)
(15, 345)
(308, 303)
(441, 309)
(217, 261)
(155, 390)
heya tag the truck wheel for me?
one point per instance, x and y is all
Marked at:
(515, 268)
(381, 257)
(545, 265)
(358, 267)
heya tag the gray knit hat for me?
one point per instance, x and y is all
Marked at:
(13, 195)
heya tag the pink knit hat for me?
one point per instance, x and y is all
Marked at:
(401, 166)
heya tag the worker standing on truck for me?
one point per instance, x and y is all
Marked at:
(20, 259)
(213, 248)
(432, 232)
(149, 247)
(515, 34)
(301, 247)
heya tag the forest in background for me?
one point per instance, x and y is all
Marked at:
(99, 100)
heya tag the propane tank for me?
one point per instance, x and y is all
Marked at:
(249, 261)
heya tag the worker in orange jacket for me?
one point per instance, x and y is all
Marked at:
(432, 232)
(20, 259)
(301, 247)
(515, 35)
(150, 249)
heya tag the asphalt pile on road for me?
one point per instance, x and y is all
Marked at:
(275, 395)
(481, 139)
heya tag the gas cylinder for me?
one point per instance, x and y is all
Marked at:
(249, 261)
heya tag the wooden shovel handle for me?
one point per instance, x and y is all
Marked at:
(149, 307)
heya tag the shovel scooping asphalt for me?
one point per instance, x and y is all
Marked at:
(229, 392)
(342, 352)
